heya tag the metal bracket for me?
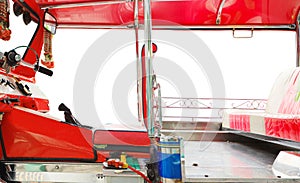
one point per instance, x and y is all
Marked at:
(237, 36)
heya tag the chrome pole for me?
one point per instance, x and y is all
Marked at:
(160, 111)
(148, 64)
(138, 61)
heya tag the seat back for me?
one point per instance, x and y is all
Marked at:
(284, 97)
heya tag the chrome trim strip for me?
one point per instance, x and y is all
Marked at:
(64, 172)
(71, 26)
(52, 172)
(218, 19)
(166, 27)
(76, 5)
(225, 27)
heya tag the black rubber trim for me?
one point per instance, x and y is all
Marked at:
(2, 143)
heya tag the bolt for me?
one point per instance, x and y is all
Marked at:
(100, 176)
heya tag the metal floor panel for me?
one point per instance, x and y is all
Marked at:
(230, 161)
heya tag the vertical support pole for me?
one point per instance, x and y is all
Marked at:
(149, 69)
(149, 88)
(138, 61)
(298, 39)
(159, 110)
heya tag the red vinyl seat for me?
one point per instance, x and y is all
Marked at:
(281, 117)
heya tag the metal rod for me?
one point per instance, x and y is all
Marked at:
(75, 26)
(76, 5)
(182, 98)
(138, 61)
(298, 39)
(148, 64)
(160, 111)
(218, 19)
(226, 27)
(170, 27)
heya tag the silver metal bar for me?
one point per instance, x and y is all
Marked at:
(65, 172)
(298, 39)
(170, 27)
(148, 64)
(138, 61)
(53, 172)
(160, 110)
(225, 27)
(73, 26)
(181, 98)
(218, 20)
(83, 4)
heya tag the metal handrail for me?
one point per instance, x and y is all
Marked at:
(204, 106)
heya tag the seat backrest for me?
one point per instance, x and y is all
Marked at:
(284, 97)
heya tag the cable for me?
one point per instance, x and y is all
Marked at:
(139, 173)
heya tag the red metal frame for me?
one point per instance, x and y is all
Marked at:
(37, 104)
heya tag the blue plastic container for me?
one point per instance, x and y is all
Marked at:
(169, 158)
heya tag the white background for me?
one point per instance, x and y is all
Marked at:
(249, 66)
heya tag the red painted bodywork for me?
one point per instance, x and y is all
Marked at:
(182, 12)
(128, 138)
(31, 135)
(124, 139)
(37, 104)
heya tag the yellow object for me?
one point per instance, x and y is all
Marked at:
(123, 157)
(125, 165)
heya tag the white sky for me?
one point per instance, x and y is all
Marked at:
(249, 66)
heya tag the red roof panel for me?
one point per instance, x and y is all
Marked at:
(183, 12)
